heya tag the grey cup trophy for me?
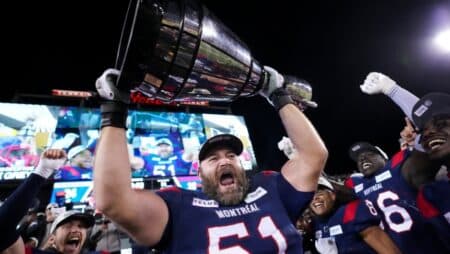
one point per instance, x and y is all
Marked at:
(177, 50)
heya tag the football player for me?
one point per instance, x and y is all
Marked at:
(232, 214)
(393, 188)
(351, 227)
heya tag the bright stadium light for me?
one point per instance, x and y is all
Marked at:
(442, 40)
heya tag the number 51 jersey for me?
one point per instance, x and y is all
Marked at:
(262, 223)
(396, 200)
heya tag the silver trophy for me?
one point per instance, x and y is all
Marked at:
(179, 51)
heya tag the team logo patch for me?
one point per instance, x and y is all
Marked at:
(204, 203)
(422, 109)
(336, 230)
(359, 187)
(257, 194)
(383, 176)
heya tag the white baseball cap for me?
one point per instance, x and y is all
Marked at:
(75, 150)
(325, 183)
(72, 215)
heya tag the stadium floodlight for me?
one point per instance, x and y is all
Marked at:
(442, 40)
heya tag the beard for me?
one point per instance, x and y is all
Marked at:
(231, 196)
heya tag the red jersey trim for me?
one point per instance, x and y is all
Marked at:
(172, 188)
(397, 158)
(268, 172)
(349, 183)
(350, 211)
(425, 207)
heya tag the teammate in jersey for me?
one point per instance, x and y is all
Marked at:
(393, 189)
(432, 118)
(232, 214)
(68, 231)
(165, 162)
(434, 205)
(369, 159)
(352, 227)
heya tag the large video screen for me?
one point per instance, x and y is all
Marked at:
(79, 193)
(160, 144)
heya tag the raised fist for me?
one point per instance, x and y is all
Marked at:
(50, 161)
(376, 83)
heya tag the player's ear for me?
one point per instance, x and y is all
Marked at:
(199, 172)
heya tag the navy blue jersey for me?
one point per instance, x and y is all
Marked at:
(434, 204)
(68, 172)
(262, 223)
(345, 225)
(395, 199)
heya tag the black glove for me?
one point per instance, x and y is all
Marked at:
(280, 97)
(280, 90)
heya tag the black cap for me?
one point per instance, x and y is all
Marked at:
(360, 147)
(430, 105)
(220, 141)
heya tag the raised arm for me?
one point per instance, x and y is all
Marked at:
(142, 214)
(303, 169)
(16, 206)
(376, 83)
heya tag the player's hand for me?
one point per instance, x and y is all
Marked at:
(407, 135)
(50, 161)
(326, 245)
(376, 83)
(114, 107)
(285, 145)
(275, 81)
(106, 87)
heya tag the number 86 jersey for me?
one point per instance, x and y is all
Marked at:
(396, 202)
(262, 223)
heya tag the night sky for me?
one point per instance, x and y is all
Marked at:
(331, 44)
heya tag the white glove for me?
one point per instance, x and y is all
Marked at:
(376, 83)
(285, 145)
(326, 245)
(106, 86)
(50, 161)
(275, 81)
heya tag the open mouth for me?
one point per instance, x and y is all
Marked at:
(226, 178)
(73, 241)
(435, 143)
(366, 165)
(318, 204)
